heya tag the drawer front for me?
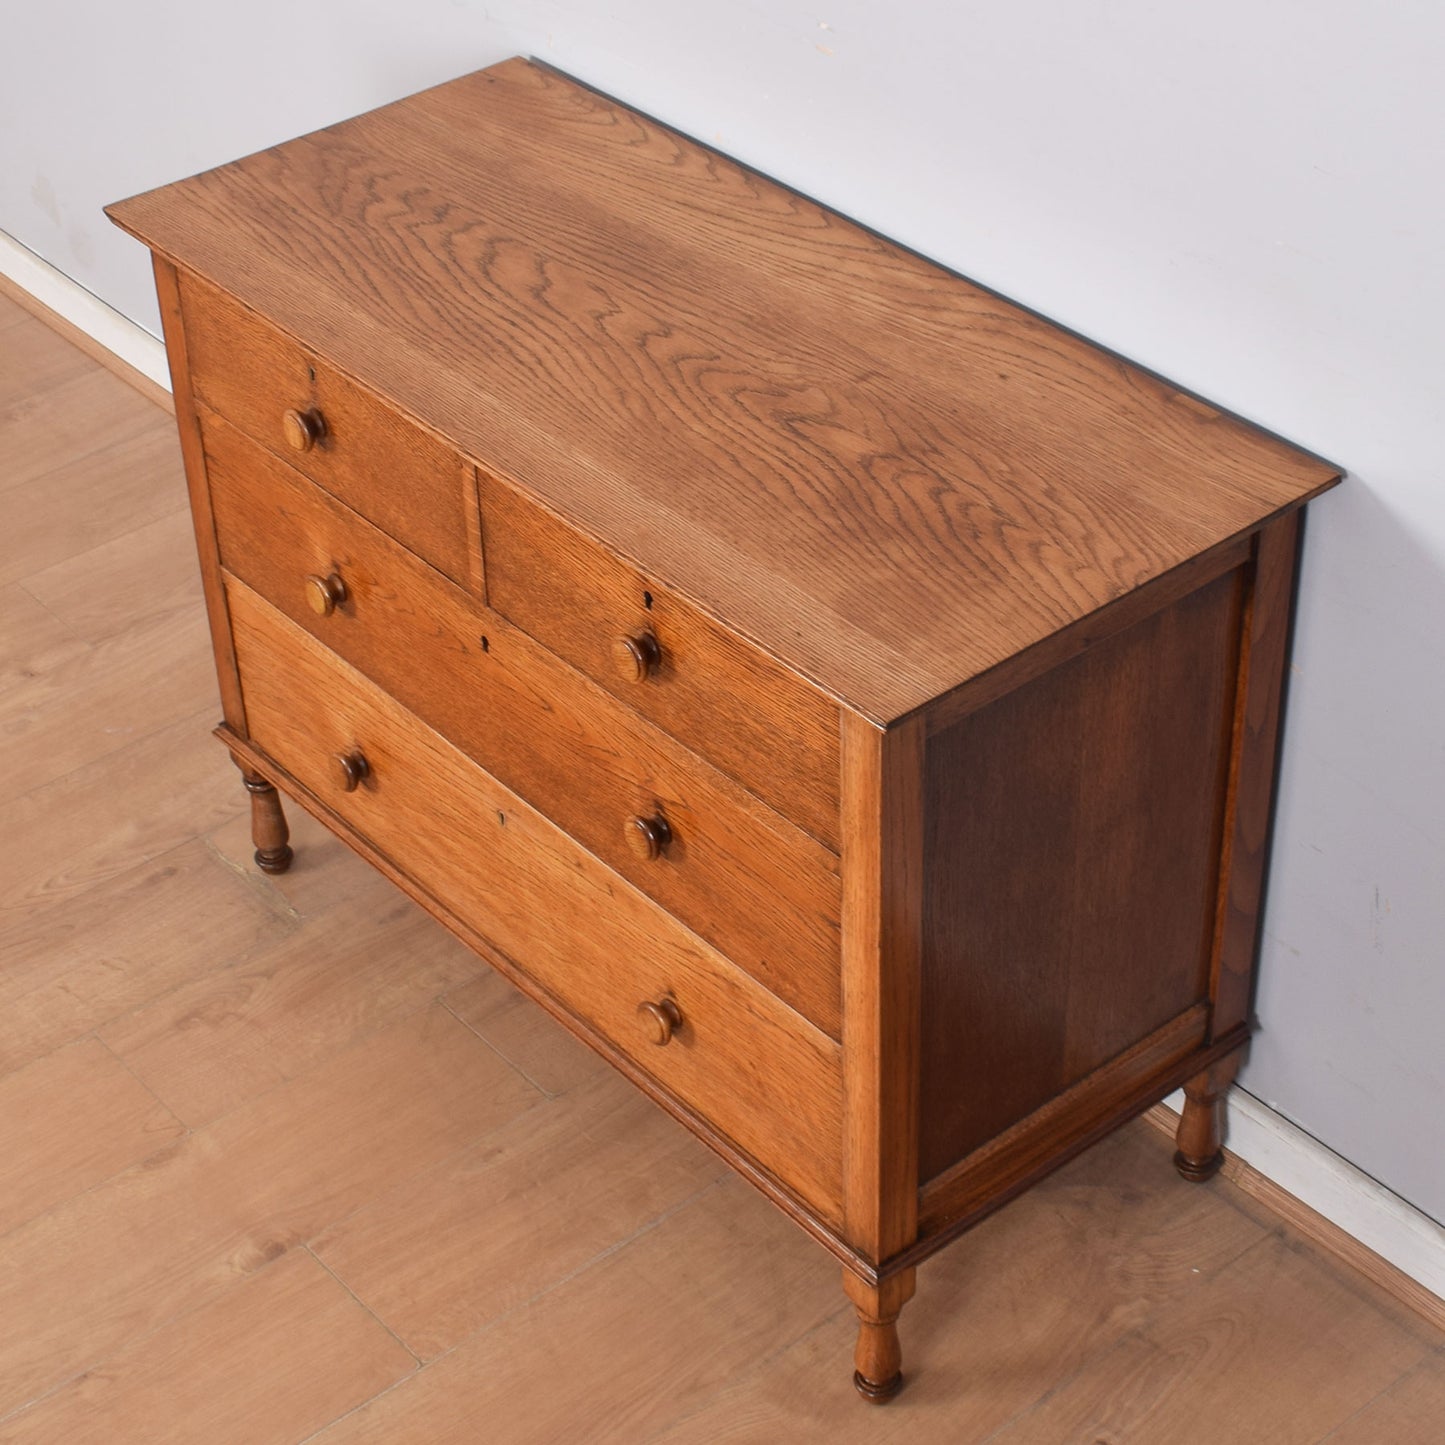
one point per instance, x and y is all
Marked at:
(755, 719)
(757, 887)
(385, 466)
(756, 1070)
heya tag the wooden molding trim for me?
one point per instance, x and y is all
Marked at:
(1315, 1227)
(1027, 1148)
(77, 335)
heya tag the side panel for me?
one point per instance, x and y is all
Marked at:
(1073, 833)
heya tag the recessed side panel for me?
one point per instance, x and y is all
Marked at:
(1073, 833)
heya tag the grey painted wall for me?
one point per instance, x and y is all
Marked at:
(1245, 196)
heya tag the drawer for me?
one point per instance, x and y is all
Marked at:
(404, 478)
(758, 721)
(738, 873)
(758, 1071)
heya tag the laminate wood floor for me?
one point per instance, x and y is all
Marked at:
(280, 1161)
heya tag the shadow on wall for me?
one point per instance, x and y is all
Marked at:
(1351, 992)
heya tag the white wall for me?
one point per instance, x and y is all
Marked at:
(1244, 195)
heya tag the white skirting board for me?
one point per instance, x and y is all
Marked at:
(1298, 1163)
(83, 309)
(1333, 1187)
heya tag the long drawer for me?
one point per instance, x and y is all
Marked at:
(595, 944)
(759, 888)
(345, 438)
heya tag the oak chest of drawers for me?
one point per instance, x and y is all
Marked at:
(848, 701)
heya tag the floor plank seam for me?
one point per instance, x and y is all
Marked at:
(160, 1102)
(58, 980)
(75, 459)
(757, 1369)
(1434, 1358)
(1139, 1331)
(135, 1166)
(521, 1305)
(591, 1263)
(476, 1033)
(72, 558)
(365, 1404)
(362, 1305)
(132, 1341)
(45, 607)
(1058, 1385)
(198, 718)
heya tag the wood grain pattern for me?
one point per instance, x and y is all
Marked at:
(32, 639)
(11, 311)
(58, 427)
(404, 479)
(273, 1359)
(35, 359)
(737, 873)
(672, 1359)
(138, 579)
(1128, 1084)
(74, 966)
(139, 679)
(888, 508)
(16, 303)
(1073, 828)
(765, 726)
(1089, 632)
(103, 495)
(447, 1253)
(175, 1233)
(599, 946)
(1050, 1284)
(68, 1121)
(1409, 1413)
(126, 822)
(215, 1042)
(1145, 1389)
(802, 1213)
(1012, 569)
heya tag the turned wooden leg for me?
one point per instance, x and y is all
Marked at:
(1201, 1125)
(268, 825)
(878, 1358)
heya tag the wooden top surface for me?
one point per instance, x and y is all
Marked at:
(888, 477)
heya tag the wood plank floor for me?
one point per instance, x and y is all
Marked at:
(282, 1162)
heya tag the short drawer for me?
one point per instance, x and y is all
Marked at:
(345, 438)
(734, 870)
(750, 715)
(735, 1054)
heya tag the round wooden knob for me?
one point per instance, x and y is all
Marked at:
(303, 429)
(325, 594)
(661, 1020)
(647, 837)
(349, 769)
(637, 655)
